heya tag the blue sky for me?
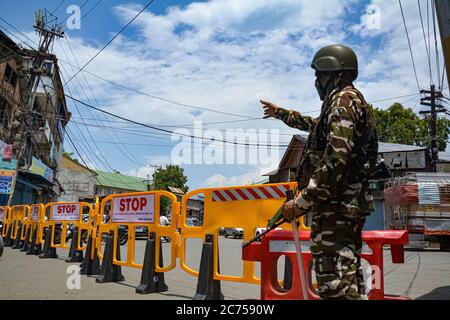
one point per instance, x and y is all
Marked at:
(220, 55)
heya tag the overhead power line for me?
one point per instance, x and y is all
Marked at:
(110, 41)
(153, 127)
(409, 44)
(425, 41)
(59, 5)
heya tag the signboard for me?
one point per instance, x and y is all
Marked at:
(65, 212)
(6, 181)
(134, 209)
(35, 213)
(405, 160)
(39, 168)
(2, 213)
(8, 165)
(6, 150)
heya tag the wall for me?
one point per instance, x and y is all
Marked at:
(376, 220)
(76, 180)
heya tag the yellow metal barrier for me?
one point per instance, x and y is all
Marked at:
(247, 207)
(19, 214)
(94, 233)
(37, 222)
(62, 214)
(6, 220)
(139, 209)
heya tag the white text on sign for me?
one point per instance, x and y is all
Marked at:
(66, 212)
(134, 209)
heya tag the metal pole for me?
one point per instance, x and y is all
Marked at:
(301, 269)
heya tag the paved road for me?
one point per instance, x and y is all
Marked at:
(425, 275)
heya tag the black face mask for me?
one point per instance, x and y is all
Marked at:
(325, 83)
(322, 84)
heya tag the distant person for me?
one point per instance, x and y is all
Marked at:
(164, 222)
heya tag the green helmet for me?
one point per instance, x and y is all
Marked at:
(335, 58)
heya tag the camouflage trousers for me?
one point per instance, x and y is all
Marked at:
(336, 255)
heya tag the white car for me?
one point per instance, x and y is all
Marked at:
(234, 232)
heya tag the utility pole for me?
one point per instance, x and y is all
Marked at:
(25, 116)
(430, 100)
(151, 183)
(153, 176)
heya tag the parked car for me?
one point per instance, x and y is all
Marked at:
(234, 232)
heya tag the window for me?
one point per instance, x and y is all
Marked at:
(10, 75)
(3, 112)
(48, 67)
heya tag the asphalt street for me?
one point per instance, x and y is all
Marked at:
(425, 275)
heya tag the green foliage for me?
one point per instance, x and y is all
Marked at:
(401, 125)
(171, 176)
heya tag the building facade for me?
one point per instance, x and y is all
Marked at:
(77, 181)
(35, 181)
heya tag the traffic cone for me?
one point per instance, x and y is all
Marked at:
(48, 251)
(207, 287)
(152, 281)
(110, 272)
(74, 254)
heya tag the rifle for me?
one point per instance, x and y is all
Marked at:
(276, 221)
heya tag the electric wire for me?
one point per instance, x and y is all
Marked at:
(126, 153)
(425, 42)
(109, 42)
(409, 44)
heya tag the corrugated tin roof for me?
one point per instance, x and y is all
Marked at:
(176, 190)
(120, 181)
(444, 156)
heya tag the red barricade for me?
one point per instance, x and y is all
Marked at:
(281, 243)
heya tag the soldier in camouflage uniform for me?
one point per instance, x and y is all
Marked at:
(334, 171)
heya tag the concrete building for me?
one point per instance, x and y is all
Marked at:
(195, 206)
(77, 181)
(47, 120)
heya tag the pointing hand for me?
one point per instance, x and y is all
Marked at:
(270, 109)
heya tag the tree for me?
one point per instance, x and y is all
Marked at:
(171, 176)
(401, 125)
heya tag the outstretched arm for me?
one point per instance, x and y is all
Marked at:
(292, 118)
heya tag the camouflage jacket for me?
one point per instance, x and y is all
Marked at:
(340, 155)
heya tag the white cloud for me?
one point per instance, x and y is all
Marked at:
(148, 170)
(226, 55)
(219, 180)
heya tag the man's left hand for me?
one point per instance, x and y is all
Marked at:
(291, 211)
